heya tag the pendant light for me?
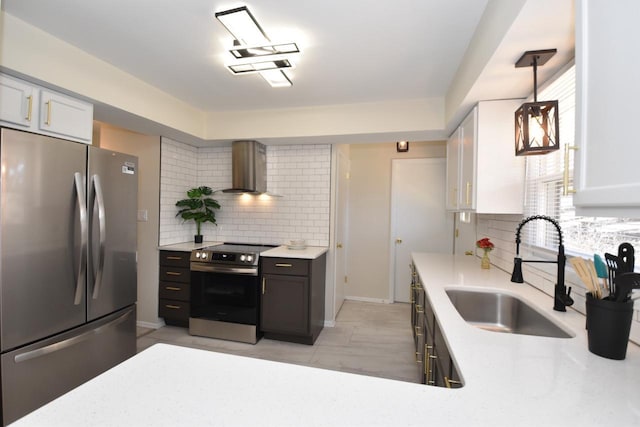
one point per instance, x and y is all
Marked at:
(537, 124)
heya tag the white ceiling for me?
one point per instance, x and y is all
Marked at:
(353, 51)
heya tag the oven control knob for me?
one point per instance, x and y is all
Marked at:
(242, 257)
(197, 254)
(204, 255)
(249, 258)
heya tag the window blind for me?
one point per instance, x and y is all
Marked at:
(543, 191)
(543, 183)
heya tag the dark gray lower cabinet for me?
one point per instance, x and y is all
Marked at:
(292, 298)
(433, 357)
(174, 288)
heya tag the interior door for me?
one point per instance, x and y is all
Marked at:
(112, 207)
(419, 220)
(42, 269)
(342, 218)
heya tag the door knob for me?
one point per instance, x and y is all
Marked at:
(398, 240)
(339, 246)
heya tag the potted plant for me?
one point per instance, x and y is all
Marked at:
(198, 207)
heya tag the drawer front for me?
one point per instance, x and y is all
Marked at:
(174, 290)
(286, 266)
(175, 258)
(174, 274)
(174, 310)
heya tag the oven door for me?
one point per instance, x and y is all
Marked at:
(225, 295)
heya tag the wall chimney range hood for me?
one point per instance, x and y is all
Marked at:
(248, 167)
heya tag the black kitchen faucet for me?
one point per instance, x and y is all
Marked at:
(562, 299)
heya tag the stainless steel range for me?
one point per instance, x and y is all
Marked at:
(225, 302)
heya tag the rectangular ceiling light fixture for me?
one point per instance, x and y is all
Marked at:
(276, 78)
(265, 50)
(255, 67)
(252, 42)
(243, 26)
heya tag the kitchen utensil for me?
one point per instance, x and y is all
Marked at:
(594, 278)
(612, 266)
(625, 283)
(626, 258)
(601, 270)
(582, 271)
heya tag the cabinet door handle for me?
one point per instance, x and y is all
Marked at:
(172, 307)
(418, 359)
(29, 107)
(468, 196)
(284, 265)
(48, 120)
(172, 288)
(565, 175)
(418, 331)
(449, 382)
(419, 309)
(427, 365)
(174, 257)
(173, 273)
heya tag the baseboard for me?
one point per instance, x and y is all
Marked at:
(365, 299)
(152, 325)
(329, 323)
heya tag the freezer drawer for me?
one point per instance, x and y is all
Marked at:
(38, 373)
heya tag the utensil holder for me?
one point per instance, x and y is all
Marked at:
(608, 327)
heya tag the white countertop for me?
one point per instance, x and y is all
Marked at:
(509, 379)
(310, 252)
(187, 246)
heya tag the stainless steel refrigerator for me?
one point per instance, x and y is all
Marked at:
(67, 266)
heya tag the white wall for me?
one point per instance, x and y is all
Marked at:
(147, 149)
(369, 215)
(501, 229)
(301, 174)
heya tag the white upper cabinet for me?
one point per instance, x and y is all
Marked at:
(16, 102)
(483, 173)
(65, 117)
(606, 173)
(453, 170)
(33, 108)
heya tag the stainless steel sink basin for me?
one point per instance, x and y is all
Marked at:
(501, 312)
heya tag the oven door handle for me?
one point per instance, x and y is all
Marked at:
(220, 269)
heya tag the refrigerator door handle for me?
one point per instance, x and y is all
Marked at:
(52, 348)
(99, 199)
(82, 264)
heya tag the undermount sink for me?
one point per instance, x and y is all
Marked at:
(502, 312)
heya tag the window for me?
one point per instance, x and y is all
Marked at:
(544, 191)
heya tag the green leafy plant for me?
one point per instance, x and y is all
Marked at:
(198, 207)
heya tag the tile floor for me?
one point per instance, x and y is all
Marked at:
(369, 339)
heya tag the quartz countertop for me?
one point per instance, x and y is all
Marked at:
(508, 379)
(310, 252)
(187, 246)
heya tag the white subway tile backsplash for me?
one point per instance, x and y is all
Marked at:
(301, 174)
